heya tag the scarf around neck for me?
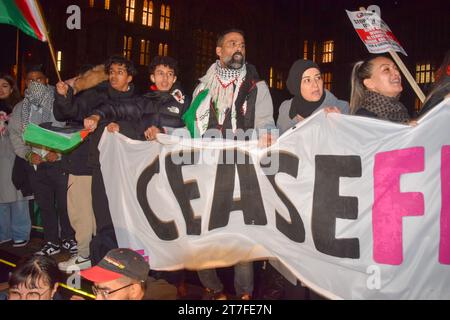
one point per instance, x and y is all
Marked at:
(304, 108)
(385, 108)
(41, 97)
(222, 84)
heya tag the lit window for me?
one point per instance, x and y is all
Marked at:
(129, 11)
(58, 60)
(106, 4)
(271, 77)
(424, 73)
(164, 22)
(328, 48)
(91, 3)
(327, 80)
(305, 50)
(147, 13)
(144, 52)
(163, 49)
(314, 51)
(279, 83)
(127, 46)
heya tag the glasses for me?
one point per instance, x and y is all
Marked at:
(33, 295)
(105, 293)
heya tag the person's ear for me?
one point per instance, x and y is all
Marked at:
(369, 84)
(219, 51)
(174, 79)
(152, 78)
(129, 79)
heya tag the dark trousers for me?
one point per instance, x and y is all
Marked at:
(105, 239)
(49, 184)
(100, 202)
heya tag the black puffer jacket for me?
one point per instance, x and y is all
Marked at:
(159, 109)
(74, 109)
(116, 104)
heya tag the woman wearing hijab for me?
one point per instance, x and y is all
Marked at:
(305, 83)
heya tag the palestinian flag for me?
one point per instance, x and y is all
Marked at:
(25, 15)
(60, 141)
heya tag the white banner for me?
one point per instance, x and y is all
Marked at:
(355, 208)
(374, 32)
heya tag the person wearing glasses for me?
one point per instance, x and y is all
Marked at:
(35, 278)
(123, 275)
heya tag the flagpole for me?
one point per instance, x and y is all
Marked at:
(408, 75)
(50, 45)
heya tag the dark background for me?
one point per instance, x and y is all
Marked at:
(275, 34)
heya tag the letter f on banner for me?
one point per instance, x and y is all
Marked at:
(391, 205)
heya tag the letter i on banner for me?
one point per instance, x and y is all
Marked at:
(444, 245)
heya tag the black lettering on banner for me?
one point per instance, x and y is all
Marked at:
(164, 230)
(185, 192)
(328, 205)
(288, 163)
(250, 201)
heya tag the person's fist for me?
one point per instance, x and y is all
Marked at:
(62, 88)
(151, 132)
(51, 156)
(35, 159)
(91, 122)
(113, 127)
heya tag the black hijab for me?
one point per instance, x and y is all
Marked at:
(299, 105)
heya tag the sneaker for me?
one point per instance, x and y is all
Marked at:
(209, 294)
(20, 243)
(70, 245)
(5, 241)
(48, 249)
(74, 263)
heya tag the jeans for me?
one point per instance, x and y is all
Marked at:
(15, 222)
(243, 279)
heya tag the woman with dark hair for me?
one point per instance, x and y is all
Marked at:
(306, 84)
(35, 278)
(441, 87)
(15, 223)
(376, 87)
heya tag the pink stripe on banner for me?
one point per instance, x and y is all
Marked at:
(444, 244)
(391, 205)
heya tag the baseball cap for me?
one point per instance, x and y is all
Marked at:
(116, 264)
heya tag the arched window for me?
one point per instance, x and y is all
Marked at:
(163, 49)
(164, 21)
(328, 49)
(144, 52)
(129, 10)
(127, 47)
(147, 13)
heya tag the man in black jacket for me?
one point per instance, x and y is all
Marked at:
(87, 201)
